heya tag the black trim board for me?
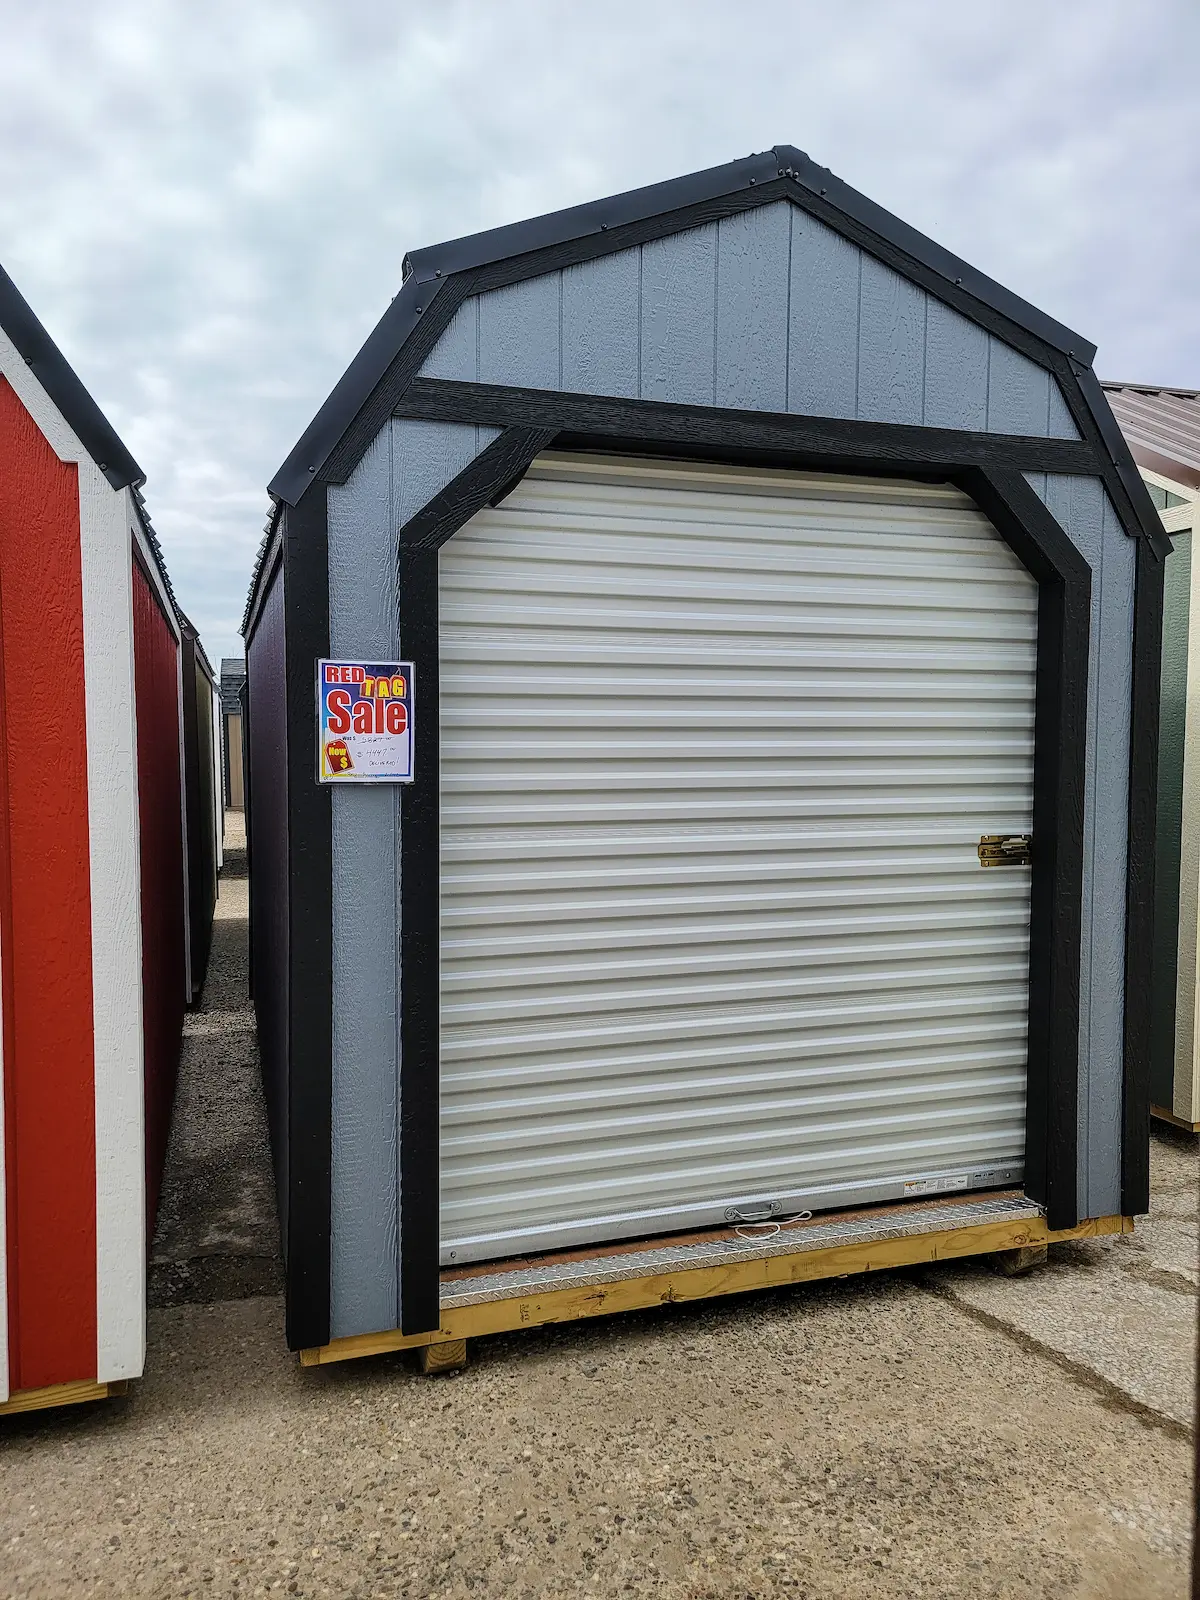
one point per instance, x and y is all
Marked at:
(736, 433)
(305, 545)
(1139, 884)
(493, 471)
(1064, 612)
(60, 381)
(1056, 903)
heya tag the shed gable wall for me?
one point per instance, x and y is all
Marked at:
(767, 310)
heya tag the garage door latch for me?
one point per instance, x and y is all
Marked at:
(1005, 850)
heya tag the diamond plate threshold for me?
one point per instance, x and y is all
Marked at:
(577, 1269)
(502, 1296)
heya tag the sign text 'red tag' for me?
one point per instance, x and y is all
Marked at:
(365, 721)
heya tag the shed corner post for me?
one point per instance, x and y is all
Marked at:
(1149, 576)
(310, 927)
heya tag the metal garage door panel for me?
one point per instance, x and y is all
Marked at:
(718, 746)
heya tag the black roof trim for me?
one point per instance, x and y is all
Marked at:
(426, 272)
(57, 377)
(260, 565)
(795, 164)
(189, 629)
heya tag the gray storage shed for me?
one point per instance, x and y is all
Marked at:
(766, 574)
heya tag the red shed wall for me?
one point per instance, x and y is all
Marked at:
(164, 907)
(45, 914)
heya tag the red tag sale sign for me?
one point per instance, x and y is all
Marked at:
(365, 721)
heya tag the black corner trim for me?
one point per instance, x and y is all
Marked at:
(493, 474)
(1064, 580)
(494, 470)
(1139, 889)
(310, 930)
(1056, 903)
(60, 381)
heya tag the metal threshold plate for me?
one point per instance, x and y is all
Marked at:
(471, 1286)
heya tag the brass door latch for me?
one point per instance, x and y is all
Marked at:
(1005, 850)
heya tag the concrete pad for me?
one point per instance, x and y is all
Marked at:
(1122, 1310)
(933, 1434)
(850, 1441)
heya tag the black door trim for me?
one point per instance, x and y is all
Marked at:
(1064, 620)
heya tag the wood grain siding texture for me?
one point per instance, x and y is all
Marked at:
(48, 1048)
(363, 624)
(406, 466)
(163, 900)
(267, 826)
(768, 309)
(1084, 510)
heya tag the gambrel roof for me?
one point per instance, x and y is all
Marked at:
(439, 279)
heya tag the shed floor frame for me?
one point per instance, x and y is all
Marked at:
(574, 1285)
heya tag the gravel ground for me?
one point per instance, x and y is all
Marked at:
(932, 1433)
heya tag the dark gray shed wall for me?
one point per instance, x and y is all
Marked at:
(267, 822)
(769, 310)
(406, 466)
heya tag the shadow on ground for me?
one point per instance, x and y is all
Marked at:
(217, 1237)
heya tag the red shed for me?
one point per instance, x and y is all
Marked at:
(93, 903)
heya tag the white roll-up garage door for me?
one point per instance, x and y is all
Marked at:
(718, 747)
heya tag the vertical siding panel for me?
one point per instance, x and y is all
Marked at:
(1060, 423)
(267, 831)
(752, 309)
(364, 1183)
(600, 325)
(891, 346)
(1109, 870)
(1018, 393)
(679, 277)
(425, 457)
(519, 333)
(48, 1019)
(956, 370)
(823, 321)
(456, 354)
(1082, 508)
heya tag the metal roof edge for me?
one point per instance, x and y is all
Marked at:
(61, 382)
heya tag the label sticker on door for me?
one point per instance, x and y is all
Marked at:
(935, 1185)
(365, 721)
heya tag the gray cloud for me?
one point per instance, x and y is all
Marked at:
(208, 205)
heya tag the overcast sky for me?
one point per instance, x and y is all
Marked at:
(208, 205)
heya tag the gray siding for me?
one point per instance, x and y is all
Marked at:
(1083, 508)
(768, 310)
(267, 827)
(408, 463)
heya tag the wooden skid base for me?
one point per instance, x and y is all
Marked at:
(448, 1357)
(635, 1293)
(59, 1394)
(1164, 1115)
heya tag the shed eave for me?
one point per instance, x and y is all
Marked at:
(62, 384)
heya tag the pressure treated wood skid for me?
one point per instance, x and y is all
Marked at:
(567, 1287)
